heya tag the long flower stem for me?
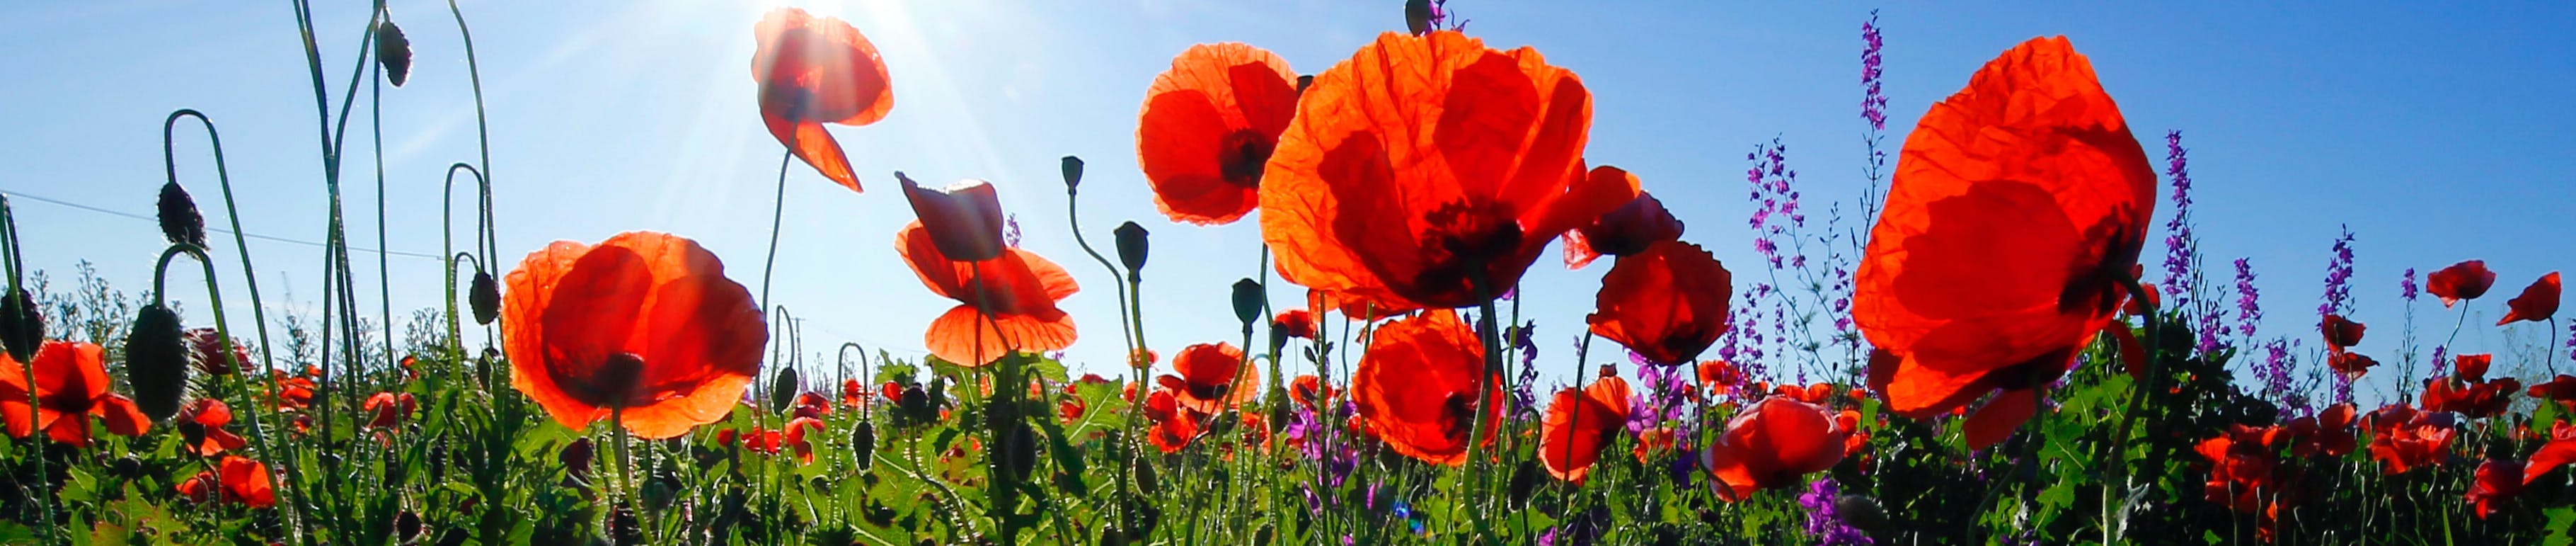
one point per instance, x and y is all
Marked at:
(2139, 396)
(44, 477)
(259, 315)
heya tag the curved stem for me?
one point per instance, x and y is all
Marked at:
(447, 244)
(376, 130)
(259, 314)
(777, 214)
(9, 247)
(2139, 395)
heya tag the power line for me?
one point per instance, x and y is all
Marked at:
(49, 200)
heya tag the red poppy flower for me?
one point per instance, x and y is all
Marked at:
(70, 386)
(1020, 291)
(796, 437)
(1298, 323)
(1209, 382)
(2420, 441)
(1174, 425)
(1418, 387)
(1580, 422)
(1310, 390)
(2016, 214)
(1719, 377)
(2351, 365)
(1429, 171)
(1357, 307)
(387, 409)
(853, 393)
(2471, 367)
(2340, 333)
(1652, 441)
(1772, 444)
(2245, 473)
(1666, 303)
(816, 71)
(811, 404)
(202, 424)
(2461, 281)
(2560, 450)
(2538, 302)
(2475, 399)
(206, 350)
(644, 321)
(1817, 393)
(964, 219)
(2561, 388)
(1629, 229)
(1071, 408)
(2497, 481)
(235, 480)
(2335, 430)
(293, 393)
(1208, 127)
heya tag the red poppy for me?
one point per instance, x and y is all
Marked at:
(2351, 365)
(2475, 399)
(387, 409)
(1210, 379)
(293, 393)
(1208, 127)
(1580, 422)
(811, 404)
(2497, 481)
(1429, 171)
(70, 386)
(206, 350)
(1772, 444)
(2561, 388)
(236, 479)
(1817, 393)
(2471, 367)
(2246, 474)
(202, 424)
(1418, 384)
(2461, 281)
(2538, 302)
(1020, 291)
(816, 71)
(2420, 441)
(1071, 408)
(2016, 214)
(1666, 303)
(1356, 307)
(1719, 377)
(1626, 230)
(853, 393)
(2340, 333)
(964, 219)
(2560, 450)
(1174, 425)
(796, 436)
(644, 323)
(1298, 323)
(1310, 390)
(2335, 430)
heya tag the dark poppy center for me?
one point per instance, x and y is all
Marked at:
(1457, 416)
(1243, 155)
(1210, 391)
(615, 383)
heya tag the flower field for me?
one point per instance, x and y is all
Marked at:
(1987, 346)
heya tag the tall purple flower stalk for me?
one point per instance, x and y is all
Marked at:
(2406, 287)
(1773, 194)
(2338, 297)
(2179, 242)
(2249, 309)
(1873, 102)
(1824, 515)
(2276, 374)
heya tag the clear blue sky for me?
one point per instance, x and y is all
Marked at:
(2437, 135)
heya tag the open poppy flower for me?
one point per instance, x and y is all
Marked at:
(2335, 430)
(2340, 333)
(1418, 384)
(70, 386)
(1430, 171)
(206, 350)
(1772, 444)
(2016, 214)
(854, 393)
(2461, 281)
(2420, 441)
(2475, 399)
(1626, 230)
(2561, 388)
(234, 480)
(293, 393)
(2471, 367)
(644, 325)
(1580, 422)
(2560, 450)
(2538, 302)
(1019, 290)
(387, 409)
(1174, 425)
(1719, 377)
(1310, 390)
(810, 404)
(202, 424)
(2243, 469)
(1210, 379)
(2497, 481)
(1298, 323)
(2351, 365)
(797, 437)
(1208, 128)
(965, 219)
(816, 71)
(1666, 303)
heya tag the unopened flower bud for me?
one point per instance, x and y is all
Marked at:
(179, 219)
(156, 361)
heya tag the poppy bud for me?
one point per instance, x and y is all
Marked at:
(863, 440)
(576, 457)
(156, 361)
(22, 325)
(1145, 482)
(1021, 450)
(1131, 247)
(179, 219)
(1525, 480)
(407, 525)
(782, 389)
(915, 405)
(1072, 173)
(484, 296)
(393, 52)
(1248, 301)
(964, 219)
(1417, 16)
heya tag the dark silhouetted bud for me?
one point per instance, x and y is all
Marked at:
(1145, 482)
(782, 389)
(393, 52)
(484, 296)
(156, 361)
(1861, 511)
(576, 458)
(407, 525)
(1417, 16)
(1304, 82)
(179, 219)
(1072, 173)
(863, 443)
(916, 405)
(22, 325)
(1525, 480)
(1131, 247)
(1248, 301)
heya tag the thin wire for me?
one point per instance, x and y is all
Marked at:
(48, 200)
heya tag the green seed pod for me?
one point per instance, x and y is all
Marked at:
(1132, 247)
(1146, 484)
(1417, 16)
(1072, 173)
(1248, 301)
(22, 325)
(393, 52)
(179, 219)
(485, 297)
(782, 389)
(863, 443)
(156, 361)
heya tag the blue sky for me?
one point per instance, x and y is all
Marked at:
(2436, 135)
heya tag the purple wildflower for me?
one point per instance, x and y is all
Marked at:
(2179, 242)
(2406, 287)
(1873, 103)
(2275, 370)
(1011, 230)
(2249, 309)
(2338, 295)
(1824, 517)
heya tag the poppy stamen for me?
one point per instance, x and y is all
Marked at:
(1245, 153)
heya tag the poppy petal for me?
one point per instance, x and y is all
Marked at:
(1996, 421)
(2549, 457)
(2538, 302)
(122, 416)
(815, 145)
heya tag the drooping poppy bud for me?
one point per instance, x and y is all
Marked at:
(1131, 247)
(863, 439)
(393, 52)
(179, 219)
(484, 295)
(964, 219)
(1248, 301)
(782, 389)
(156, 361)
(1072, 173)
(22, 325)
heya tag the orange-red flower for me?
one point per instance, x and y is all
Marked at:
(1772, 444)
(2538, 302)
(1174, 425)
(816, 71)
(1429, 171)
(1208, 127)
(795, 437)
(1626, 230)
(2420, 440)
(1019, 291)
(70, 386)
(2471, 367)
(1298, 323)
(206, 350)
(2017, 211)
(293, 393)
(1310, 390)
(235, 480)
(2497, 481)
(2475, 399)
(2351, 365)
(2340, 333)
(1667, 302)
(2461, 281)
(810, 404)
(853, 393)
(2561, 388)
(965, 219)
(1580, 422)
(1210, 379)
(1719, 377)
(1419, 384)
(643, 323)
(202, 423)
(387, 409)
(2560, 450)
